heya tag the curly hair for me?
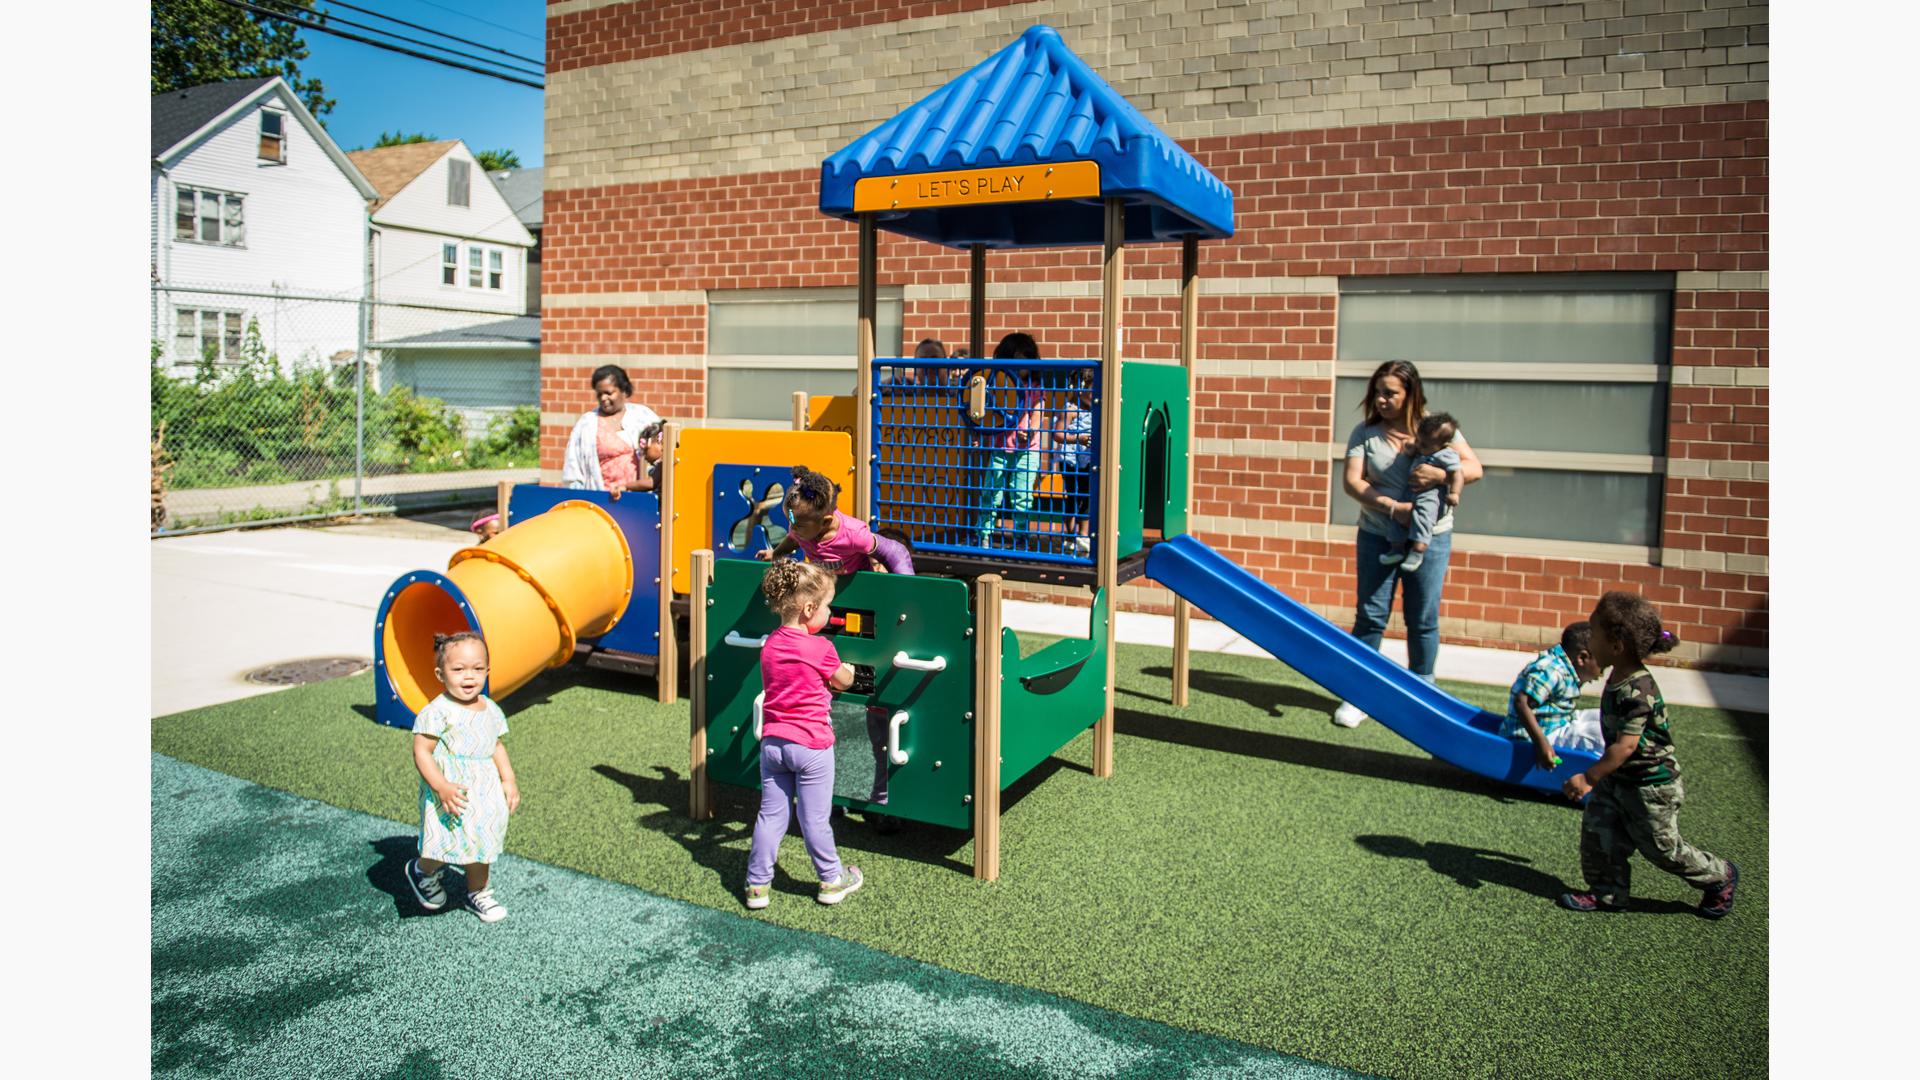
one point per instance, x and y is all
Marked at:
(442, 641)
(1437, 427)
(789, 585)
(1576, 637)
(1631, 620)
(812, 492)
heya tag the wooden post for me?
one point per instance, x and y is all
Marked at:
(986, 727)
(977, 300)
(1112, 274)
(863, 367)
(1189, 358)
(666, 674)
(800, 406)
(503, 494)
(700, 798)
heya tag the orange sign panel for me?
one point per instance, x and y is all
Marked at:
(973, 187)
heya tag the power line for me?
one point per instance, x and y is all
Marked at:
(332, 19)
(320, 28)
(428, 29)
(478, 19)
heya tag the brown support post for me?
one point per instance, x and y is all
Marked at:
(977, 300)
(700, 798)
(666, 674)
(800, 405)
(1189, 358)
(863, 368)
(986, 728)
(502, 495)
(1112, 274)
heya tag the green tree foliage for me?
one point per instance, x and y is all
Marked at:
(204, 41)
(252, 422)
(395, 138)
(496, 160)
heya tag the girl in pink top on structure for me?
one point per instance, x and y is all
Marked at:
(799, 671)
(836, 541)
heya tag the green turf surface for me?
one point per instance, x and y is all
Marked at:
(1250, 871)
(286, 944)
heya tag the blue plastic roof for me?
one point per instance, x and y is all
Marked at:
(1033, 102)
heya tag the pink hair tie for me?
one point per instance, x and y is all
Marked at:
(483, 520)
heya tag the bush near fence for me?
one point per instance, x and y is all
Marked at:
(256, 423)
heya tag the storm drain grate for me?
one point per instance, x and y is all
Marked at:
(302, 672)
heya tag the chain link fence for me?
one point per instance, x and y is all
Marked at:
(277, 406)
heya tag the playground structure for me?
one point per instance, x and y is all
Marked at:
(1030, 148)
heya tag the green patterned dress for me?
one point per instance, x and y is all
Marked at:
(464, 740)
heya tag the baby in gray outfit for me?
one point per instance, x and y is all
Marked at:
(1430, 447)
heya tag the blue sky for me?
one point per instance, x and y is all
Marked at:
(380, 91)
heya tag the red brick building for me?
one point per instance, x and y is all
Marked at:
(1557, 211)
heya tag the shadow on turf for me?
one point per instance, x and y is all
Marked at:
(1471, 868)
(1268, 697)
(716, 844)
(1314, 754)
(389, 875)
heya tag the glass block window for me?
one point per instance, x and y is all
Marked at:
(763, 344)
(1558, 380)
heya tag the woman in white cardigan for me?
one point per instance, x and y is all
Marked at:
(603, 453)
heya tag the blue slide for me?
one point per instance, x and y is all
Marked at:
(1430, 718)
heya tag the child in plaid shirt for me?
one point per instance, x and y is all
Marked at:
(1540, 707)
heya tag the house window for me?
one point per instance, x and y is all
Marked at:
(458, 184)
(475, 275)
(496, 269)
(763, 344)
(198, 332)
(273, 141)
(210, 217)
(1559, 381)
(449, 264)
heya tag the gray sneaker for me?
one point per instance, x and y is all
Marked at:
(485, 906)
(832, 892)
(426, 887)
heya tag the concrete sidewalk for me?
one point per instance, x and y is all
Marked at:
(228, 603)
(401, 488)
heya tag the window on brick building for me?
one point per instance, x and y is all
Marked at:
(1558, 380)
(763, 344)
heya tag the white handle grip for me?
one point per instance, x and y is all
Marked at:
(759, 713)
(902, 660)
(734, 638)
(894, 753)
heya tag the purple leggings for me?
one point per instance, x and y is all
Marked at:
(786, 769)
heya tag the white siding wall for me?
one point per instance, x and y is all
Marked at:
(422, 204)
(408, 272)
(305, 223)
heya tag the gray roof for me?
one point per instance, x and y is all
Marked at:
(521, 189)
(520, 330)
(177, 114)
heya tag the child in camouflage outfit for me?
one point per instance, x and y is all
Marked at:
(1635, 786)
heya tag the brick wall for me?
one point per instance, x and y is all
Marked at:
(1678, 188)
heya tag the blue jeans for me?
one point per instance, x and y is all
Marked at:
(1420, 602)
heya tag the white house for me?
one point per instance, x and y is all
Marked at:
(449, 272)
(256, 216)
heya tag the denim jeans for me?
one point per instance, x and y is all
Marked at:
(1420, 601)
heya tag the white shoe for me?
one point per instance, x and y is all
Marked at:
(485, 906)
(1348, 716)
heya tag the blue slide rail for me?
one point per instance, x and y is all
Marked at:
(1426, 716)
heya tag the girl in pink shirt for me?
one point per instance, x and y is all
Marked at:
(798, 671)
(836, 541)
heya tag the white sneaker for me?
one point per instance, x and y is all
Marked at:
(1082, 546)
(1348, 716)
(485, 906)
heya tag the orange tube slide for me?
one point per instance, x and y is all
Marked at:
(533, 590)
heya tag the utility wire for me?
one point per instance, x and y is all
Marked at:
(321, 28)
(428, 29)
(331, 20)
(478, 19)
